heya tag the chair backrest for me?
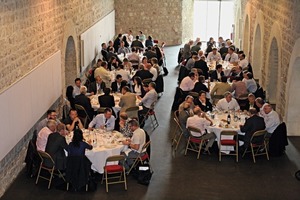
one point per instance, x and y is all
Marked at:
(194, 129)
(194, 94)
(45, 157)
(233, 133)
(259, 136)
(147, 80)
(177, 123)
(146, 145)
(130, 109)
(80, 108)
(115, 158)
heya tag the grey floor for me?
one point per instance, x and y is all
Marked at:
(184, 177)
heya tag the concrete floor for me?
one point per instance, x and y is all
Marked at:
(184, 177)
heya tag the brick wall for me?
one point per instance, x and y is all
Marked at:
(285, 14)
(163, 20)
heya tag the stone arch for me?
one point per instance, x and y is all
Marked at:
(292, 94)
(238, 25)
(273, 66)
(246, 35)
(70, 58)
(257, 46)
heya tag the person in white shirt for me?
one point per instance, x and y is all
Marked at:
(232, 57)
(76, 87)
(51, 114)
(201, 122)
(250, 82)
(214, 56)
(124, 73)
(122, 49)
(187, 84)
(260, 103)
(201, 54)
(243, 61)
(42, 137)
(103, 121)
(271, 118)
(227, 103)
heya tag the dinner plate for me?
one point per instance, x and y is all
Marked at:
(110, 146)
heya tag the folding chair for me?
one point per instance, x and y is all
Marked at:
(48, 164)
(152, 116)
(114, 169)
(132, 112)
(194, 94)
(85, 117)
(195, 141)
(258, 145)
(177, 136)
(141, 158)
(234, 142)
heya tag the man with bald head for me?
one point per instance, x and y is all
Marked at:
(42, 137)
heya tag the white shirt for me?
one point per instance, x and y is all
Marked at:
(125, 74)
(243, 63)
(154, 72)
(42, 138)
(138, 137)
(138, 90)
(76, 91)
(149, 98)
(223, 105)
(100, 119)
(232, 58)
(272, 121)
(214, 57)
(197, 122)
(187, 84)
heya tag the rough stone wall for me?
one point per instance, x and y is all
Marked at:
(163, 20)
(287, 14)
(31, 31)
(187, 20)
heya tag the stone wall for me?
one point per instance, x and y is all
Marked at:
(30, 32)
(163, 20)
(280, 20)
(187, 20)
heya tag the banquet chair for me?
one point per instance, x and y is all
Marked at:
(151, 114)
(258, 145)
(229, 142)
(194, 94)
(142, 158)
(101, 110)
(195, 144)
(177, 136)
(147, 81)
(114, 171)
(85, 118)
(47, 164)
(216, 98)
(132, 112)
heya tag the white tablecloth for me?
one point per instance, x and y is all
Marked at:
(218, 126)
(105, 144)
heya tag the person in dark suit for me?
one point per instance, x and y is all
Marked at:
(203, 102)
(253, 123)
(85, 102)
(97, 86)
(143, 73)
(199, 86)
(201, 64)
(117, 84)
(150, 53)
(217, 74)
(223, 50)
(69, 95)
(56, 144)
(251, 103)
(106, 100)
(137, 43)
(117, 42)
(104, 52)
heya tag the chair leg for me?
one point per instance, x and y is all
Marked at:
(253, 155)
(125, 181)
(174, 136)
(68, 186)
(38, 176)
(179, 139)
(51, 176)
(200, 147)
(106, 181)
(237, 152)
(267, 151)
(187, 145)
(220, 154)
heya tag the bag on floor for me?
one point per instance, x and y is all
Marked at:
(144, 175)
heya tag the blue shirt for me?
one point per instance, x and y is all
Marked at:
(100, 120)
(78, 151)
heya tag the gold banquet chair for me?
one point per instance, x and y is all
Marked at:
(151, 114)
(115, 171)
(132, 112)
(196, 141)
(86, 119)
(258, 145)
(177, 136)
(229, 142)
(47, 164)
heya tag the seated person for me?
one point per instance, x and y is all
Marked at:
(143, 73)
(138, 87)
(260, 103)
(187, 84)
(97, 87)
(201, 121)
(72, 121)
(250, 82)
(251, 103)
(116, 85)
(227, 103)
(135, 144)
(106, 100)
(147, 101)
(203, 102)
(184, 114)
(103, 121)
(201, 64)
(69, 95)
(271, 118)
(221, 87)
(56, 145)
(252, 124)
(43, 134)
(51, 115)
(77, 147)
(217, 74)
(239, 88)
(188, 99)
(124, 125)
(127, 99)
(85, 102)
(199, 86)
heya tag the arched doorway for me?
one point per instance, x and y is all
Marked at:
(257, 54)
(246, 36)
(70, 62)
(293, 100)
(273, 72)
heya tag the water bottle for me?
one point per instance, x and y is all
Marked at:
(228, 118)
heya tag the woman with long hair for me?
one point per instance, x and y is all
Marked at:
(77, 146)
